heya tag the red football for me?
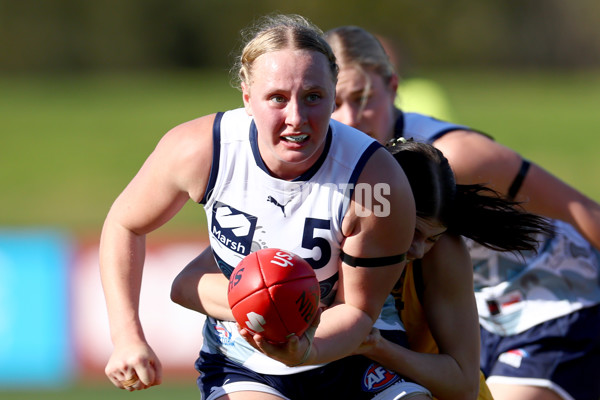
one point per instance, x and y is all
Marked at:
(274, 293)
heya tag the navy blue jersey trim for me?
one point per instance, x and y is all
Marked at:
(441, 133)
(360, 165)
(313, 170)
(433, 133)
(457, 128)
(358, 168)
(214, 168)
(254, 146)
(306, 175)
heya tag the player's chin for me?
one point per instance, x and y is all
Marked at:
(292, 150)
(298, 155)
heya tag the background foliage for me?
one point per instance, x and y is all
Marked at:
(45, 35)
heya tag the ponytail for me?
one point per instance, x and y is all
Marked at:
(473, 211)
(481, 214)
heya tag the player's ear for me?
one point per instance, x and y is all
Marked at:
(246, 98)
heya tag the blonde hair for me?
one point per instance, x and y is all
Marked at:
(277, 32)
(356, 47)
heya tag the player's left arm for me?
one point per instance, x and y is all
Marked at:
(545, 194)
(476, 158)
(378, 233)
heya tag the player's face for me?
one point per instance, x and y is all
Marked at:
(427, 233)
(363, 100)
(291, 97)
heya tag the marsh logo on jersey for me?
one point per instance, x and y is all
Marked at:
(377, 378)
(233, 228)
(513, 357)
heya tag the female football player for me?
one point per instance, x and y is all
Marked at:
(283, 144)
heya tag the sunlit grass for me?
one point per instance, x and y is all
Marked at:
(69, 144)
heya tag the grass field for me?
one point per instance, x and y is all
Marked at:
(71, 143)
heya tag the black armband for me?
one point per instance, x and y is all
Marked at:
(372, 262)
(518, 181)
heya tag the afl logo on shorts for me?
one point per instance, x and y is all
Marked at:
(377, 378)
(513, 357)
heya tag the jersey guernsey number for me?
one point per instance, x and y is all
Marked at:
(248, 209)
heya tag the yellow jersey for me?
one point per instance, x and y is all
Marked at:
(408, 302)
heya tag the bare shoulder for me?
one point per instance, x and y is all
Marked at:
(383, 168)
(464, 146)
(187, 151)
(476, 158)
(190, 136)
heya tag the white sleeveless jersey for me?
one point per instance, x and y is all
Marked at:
(423, 128)
(516, 293)
(247, 209)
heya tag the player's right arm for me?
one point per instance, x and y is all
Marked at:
(371, 236)
(448, 302)
(176, 171)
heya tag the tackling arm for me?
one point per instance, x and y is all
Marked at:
(476, 158)
(448, 302)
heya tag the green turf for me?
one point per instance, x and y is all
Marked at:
(69, 144)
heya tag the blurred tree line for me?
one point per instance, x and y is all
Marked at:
(78, 35)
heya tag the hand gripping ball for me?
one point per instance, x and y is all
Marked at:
(274, 293)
